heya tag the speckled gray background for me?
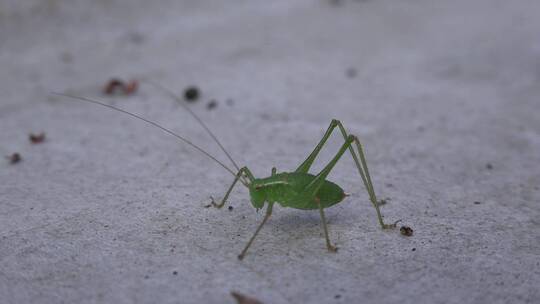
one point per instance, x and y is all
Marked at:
(446, 99)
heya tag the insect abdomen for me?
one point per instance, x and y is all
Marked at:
(288, 191)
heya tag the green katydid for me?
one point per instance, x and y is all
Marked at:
(298, 189)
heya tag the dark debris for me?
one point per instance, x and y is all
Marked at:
(243, 299)
(191, 93)
(406, 231)
(351, 72)
(118, 86)
(14, 158)
(211, 105)
(36, 138)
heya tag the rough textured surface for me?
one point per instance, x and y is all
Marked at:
(445, 98)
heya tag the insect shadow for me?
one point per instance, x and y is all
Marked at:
(295, 189)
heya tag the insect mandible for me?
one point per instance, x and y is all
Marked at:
(298, 189)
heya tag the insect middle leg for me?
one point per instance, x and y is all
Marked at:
(329, 245)
(311, 190)
(266, 217)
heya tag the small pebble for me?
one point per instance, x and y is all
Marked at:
(231, 208)
(351, 73)
(211, 105)
(191, 94)
(131, 87)
(111, 86)
(14, 158)
(175, 272)
(477, 203)
(36, 138)
(414, 249)
(406, 230)
(66, 57)
(489, 166)
(116, 85)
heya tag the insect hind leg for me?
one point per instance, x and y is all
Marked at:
(359, 160)
(363, 170)
(304, 167)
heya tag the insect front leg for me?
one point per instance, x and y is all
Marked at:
(242, 172)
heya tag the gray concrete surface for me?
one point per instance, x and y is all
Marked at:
(109, 210)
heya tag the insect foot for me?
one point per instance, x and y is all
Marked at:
(384, 201)
(213, 204)
(332, 248)
(391, 226)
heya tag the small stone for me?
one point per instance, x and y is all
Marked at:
(36, 138)
(211, 105)
(351, 73)
(191, 94)
(112, 86)
(14, 158)
(406, 231)
(131, 87)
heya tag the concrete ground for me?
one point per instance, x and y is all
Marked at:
(444, 95)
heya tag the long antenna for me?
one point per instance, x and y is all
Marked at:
(181, 103)
(151, 123)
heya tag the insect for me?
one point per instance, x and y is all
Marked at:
(297, 189)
